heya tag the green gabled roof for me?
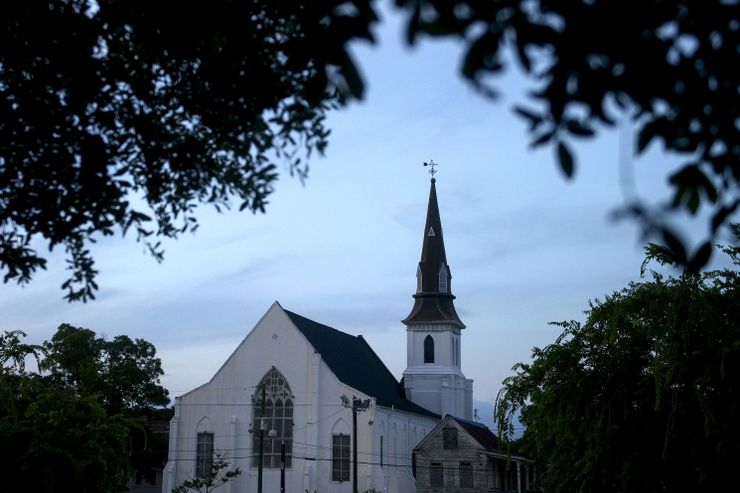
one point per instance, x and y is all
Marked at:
(355, 364)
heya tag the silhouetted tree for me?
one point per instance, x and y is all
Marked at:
(80, 424)
(126, 115)
(123, 373)
(643, 396)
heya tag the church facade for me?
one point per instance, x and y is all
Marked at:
(285, 396)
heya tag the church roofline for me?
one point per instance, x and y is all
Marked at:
(355, 364)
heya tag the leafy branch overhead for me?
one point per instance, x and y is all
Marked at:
(669, 66)
(118, 116)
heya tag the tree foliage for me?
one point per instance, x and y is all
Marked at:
(218, 476)
(666, 65)
(120, 116)
(643, 396)
(63, 427)
(123, 373)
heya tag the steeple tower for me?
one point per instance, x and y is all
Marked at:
(433, 377)
(433, 298)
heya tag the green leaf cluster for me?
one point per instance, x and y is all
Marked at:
(77, 422)
(642, 396)
(220, 474)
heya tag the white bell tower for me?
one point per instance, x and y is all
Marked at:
(433, 377)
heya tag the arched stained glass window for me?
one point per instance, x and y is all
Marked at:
(278, 416)
(428, 349)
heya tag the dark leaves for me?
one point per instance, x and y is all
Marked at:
(125, 100)
(652, 360)
(699, 259)
(565, 158)
(585, 58)
(691, 184)
(534, 119)
(481, 56)
(658, 127)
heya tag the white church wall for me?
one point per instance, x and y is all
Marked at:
(224, 405)
(445, 350)
(401, 432)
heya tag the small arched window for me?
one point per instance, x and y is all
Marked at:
(443, 279)
(428, 349)
(419, 279)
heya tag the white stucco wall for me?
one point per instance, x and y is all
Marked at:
(439, 386)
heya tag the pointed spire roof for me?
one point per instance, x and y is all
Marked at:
(433, 300)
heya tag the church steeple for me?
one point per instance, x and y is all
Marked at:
(433, 300)
(433, 377)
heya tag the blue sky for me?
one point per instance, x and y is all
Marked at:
(525, 246)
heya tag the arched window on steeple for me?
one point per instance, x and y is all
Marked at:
(419, 279)
(443, 279)
(278, 416)
(428, 349)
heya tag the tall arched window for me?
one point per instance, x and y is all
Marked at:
(428, 349)
(278, 416)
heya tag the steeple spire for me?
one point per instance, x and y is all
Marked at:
(433, 300)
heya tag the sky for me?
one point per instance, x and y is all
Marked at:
(525, 246)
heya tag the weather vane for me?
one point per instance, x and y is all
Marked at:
(431, 165)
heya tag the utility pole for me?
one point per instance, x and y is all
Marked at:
(282, 465)
(357, 406)
(262, 441)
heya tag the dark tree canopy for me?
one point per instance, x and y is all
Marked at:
(80, 423)
(123, 373)
(643, 396)
(126, 115)
(670, 66)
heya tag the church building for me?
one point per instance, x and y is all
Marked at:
(298, 392)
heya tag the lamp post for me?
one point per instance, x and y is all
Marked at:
(357, 406)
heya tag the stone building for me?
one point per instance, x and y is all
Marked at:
(459, 455)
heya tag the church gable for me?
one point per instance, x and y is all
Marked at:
(273, 341)
(452, 435)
